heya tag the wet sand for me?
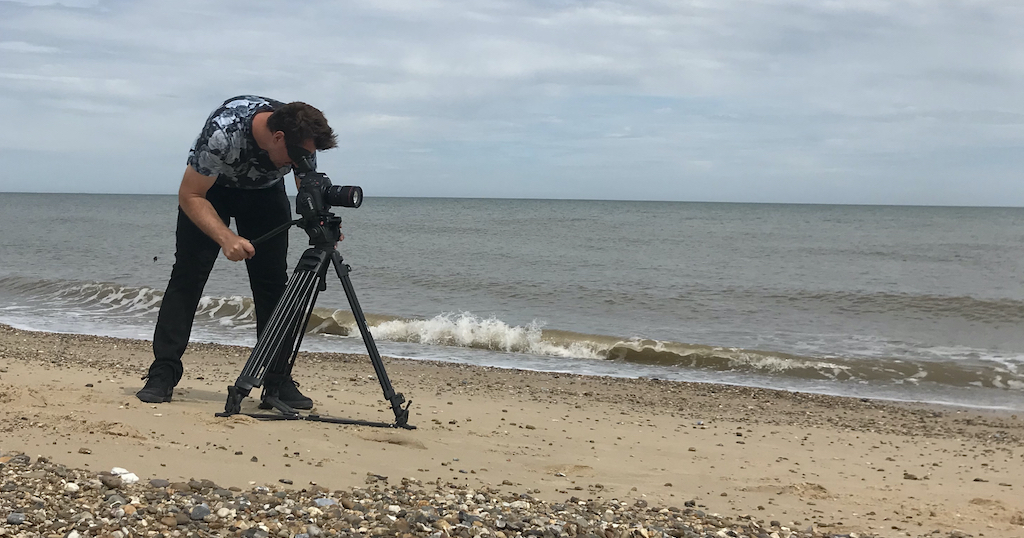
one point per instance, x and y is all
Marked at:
(839, 465)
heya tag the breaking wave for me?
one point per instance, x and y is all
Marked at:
(468, 330)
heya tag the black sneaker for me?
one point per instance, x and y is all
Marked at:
(286, 390)
(158, 389)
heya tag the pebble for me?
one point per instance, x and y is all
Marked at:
(408, 509)
(200, 512)
(111, 481)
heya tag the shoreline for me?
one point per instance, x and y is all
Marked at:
(873, 396)
(828, 462)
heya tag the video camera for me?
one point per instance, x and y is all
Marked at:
(316, 197)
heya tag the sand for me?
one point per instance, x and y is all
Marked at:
(837, 464)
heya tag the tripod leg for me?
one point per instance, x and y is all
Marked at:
(301, 313)
(396, 399)
(255, 366)
(280, 330)
(286, 326)
(301, 331)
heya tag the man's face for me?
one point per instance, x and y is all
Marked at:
(278, 150)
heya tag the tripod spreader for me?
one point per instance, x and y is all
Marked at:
(283, 334)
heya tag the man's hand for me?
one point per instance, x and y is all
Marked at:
(238, 248)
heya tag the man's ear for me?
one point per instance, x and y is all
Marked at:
(278, 137)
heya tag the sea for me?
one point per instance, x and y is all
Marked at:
(921, 304)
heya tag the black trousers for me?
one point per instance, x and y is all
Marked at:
(256, 212)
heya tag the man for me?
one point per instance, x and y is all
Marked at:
(235, 169)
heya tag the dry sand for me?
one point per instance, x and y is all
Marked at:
(841, 464)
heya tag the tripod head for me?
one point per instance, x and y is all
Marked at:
(316, 196)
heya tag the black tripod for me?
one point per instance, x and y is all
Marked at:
(288, 322)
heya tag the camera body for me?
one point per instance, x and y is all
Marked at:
(316, 197)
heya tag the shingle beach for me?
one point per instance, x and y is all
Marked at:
(496, 453)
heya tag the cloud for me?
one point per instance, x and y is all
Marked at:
(60, 3)
(785, 98)
(28, 48)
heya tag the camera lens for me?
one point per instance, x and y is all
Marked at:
(345, 196)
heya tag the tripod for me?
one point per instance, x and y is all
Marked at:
(288, 322)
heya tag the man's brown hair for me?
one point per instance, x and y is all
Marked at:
(299, 121)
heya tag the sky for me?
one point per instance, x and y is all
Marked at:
(826, 101)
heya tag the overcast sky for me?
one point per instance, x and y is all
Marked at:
(843, 101)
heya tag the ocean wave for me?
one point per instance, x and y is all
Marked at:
(993, 372)
(98, 296)
(466, 330)
(910, 305)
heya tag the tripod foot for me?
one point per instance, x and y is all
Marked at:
(233, 405)
(402, 416)
(276, 403)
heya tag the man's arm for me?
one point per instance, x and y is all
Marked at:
(192, 199)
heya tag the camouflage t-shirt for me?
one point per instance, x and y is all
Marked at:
(226, 148)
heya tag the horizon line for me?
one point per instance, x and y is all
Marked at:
(733, 202)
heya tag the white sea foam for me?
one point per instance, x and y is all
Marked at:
(465, 329)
